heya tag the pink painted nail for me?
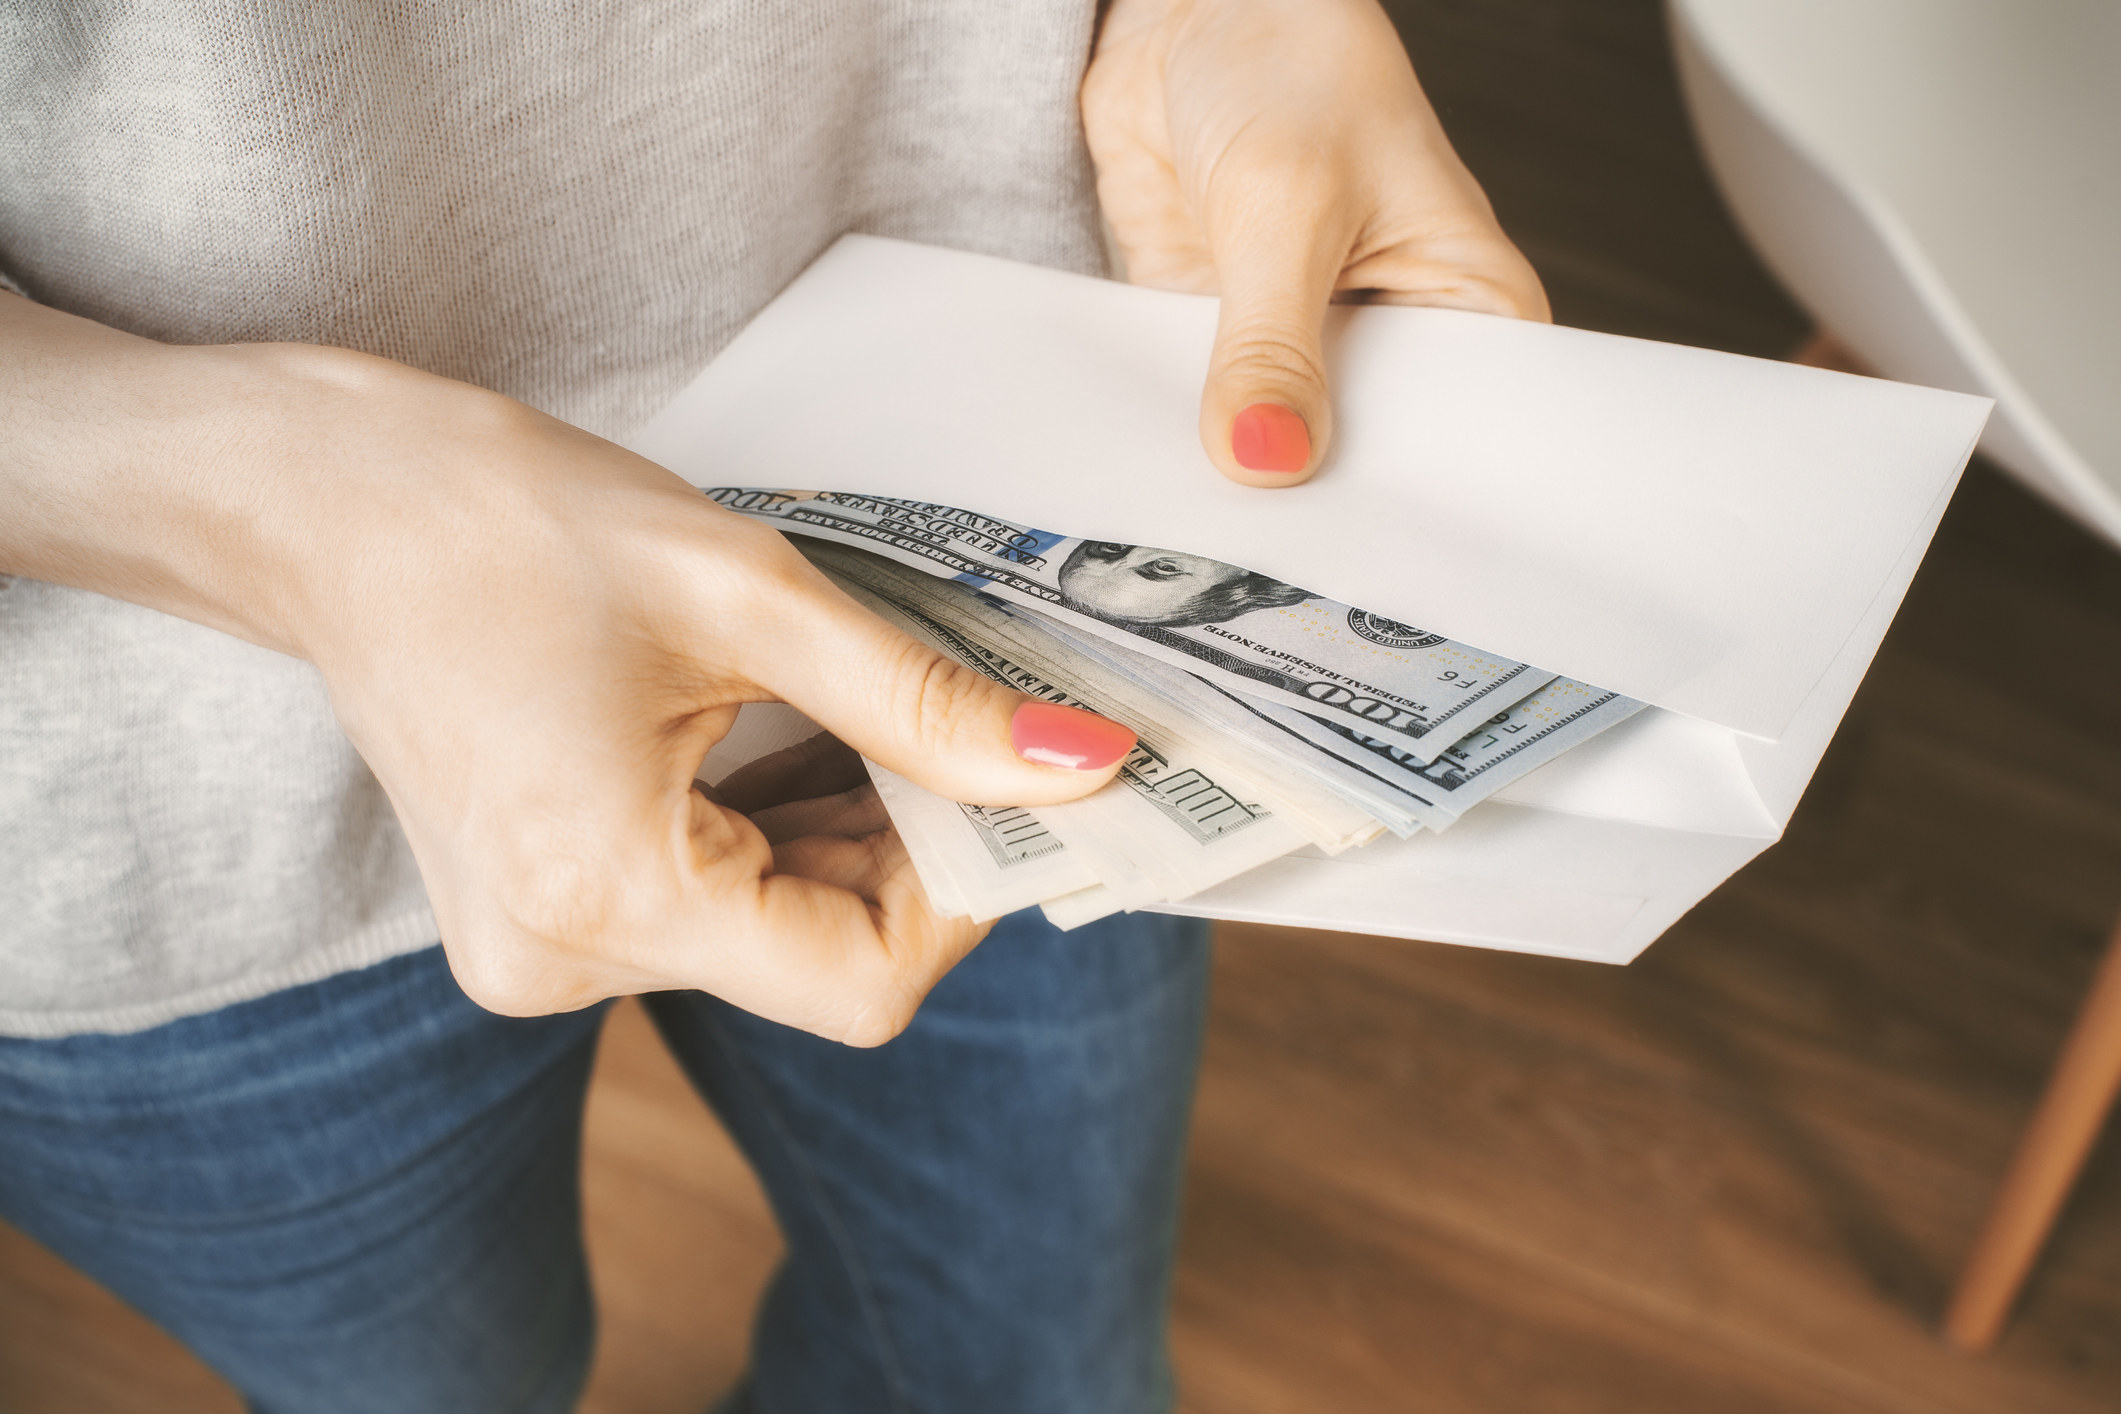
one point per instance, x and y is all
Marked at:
(1053, 735)
(1268, 437)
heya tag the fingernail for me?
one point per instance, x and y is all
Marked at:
(1053, 735)
(1269, 437)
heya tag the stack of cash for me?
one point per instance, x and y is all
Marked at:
(1269, 719)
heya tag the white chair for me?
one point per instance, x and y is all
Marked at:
(1939, 183)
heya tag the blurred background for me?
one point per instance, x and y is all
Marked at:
(1739, 1175)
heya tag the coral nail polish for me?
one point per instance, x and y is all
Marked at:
(1268, 437)
(1053, 735)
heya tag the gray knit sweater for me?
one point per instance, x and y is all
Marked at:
(574, 204)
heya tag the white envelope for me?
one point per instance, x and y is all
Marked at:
(1726, 538)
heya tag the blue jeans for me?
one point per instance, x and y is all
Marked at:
(362, 1195)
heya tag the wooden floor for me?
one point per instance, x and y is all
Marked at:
(1734, 1177)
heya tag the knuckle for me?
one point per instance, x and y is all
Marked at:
(1265, 170)
(498, 995)
(877, 1022)
(881, 843)
(1274, 351)
(941, 698)
(728, 841)
(495, 971)
(883, 998)
(549, 887)
(863, 1035)
(1520, 296)
(554, 895)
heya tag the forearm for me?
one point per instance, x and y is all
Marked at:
(258, 488)
(131, 468)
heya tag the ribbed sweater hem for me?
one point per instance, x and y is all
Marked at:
(408, 932)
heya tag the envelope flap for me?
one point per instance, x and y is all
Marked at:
(1696, 529)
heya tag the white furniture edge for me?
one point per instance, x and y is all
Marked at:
(1866, 242)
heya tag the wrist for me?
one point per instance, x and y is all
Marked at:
(208, 482)
(112, 481)
(228, 457)
(339, 482)
(217, 491)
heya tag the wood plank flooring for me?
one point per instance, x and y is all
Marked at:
(1736, 1176)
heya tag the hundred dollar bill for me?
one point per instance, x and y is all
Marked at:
(1245, 723)
(1404, 792)
(1243, 631)
(1173, 725)
(978, 861)
(1164, 829)
(1507, 746)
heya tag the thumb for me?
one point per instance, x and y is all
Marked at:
(926, 716)
(1265, 417)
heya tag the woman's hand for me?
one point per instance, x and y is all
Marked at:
(1277, 151)
(815, 808)
(533, 636)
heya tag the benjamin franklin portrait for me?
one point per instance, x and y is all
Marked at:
(1137, 586)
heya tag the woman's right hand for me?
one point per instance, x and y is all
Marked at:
(533, 636)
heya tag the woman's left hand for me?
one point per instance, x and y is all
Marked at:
(1275, 152)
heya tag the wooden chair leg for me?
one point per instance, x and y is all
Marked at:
(2050, 1155)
